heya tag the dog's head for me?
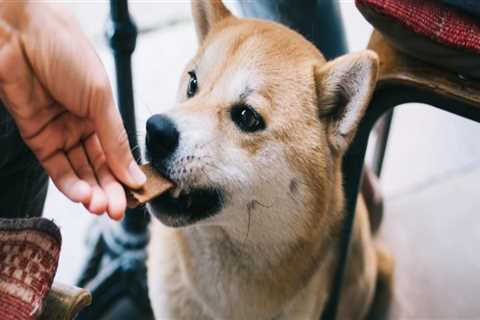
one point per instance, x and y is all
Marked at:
(260, 127)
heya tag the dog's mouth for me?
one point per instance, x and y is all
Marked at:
(185, 206)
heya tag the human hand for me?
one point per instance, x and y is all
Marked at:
(56, 89)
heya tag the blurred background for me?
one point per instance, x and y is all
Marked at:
(430, 179)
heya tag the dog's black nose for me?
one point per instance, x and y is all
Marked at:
(162, 137)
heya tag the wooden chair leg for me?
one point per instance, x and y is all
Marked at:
(65, 302)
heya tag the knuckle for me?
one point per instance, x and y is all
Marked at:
(98, 161)
(84, 170)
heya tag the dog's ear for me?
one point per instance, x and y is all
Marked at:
(344, 88)
(206, 13)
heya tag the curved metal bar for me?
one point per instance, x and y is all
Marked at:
(122, 36)
(387, 97)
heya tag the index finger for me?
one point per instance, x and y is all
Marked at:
(114, 140)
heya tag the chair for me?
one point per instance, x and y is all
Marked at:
(402, 79)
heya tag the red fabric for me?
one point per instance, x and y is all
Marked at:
(29, 252)
(431, 19)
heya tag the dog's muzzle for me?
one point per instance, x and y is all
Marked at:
(184, 206)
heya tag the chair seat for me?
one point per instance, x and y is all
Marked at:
(429, 30)
(397, 67)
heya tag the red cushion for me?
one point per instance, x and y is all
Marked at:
(29, 252)
(431, 19)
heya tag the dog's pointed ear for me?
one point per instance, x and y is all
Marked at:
(207, 13)
(344, 89)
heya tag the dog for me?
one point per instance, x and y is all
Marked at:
(255, 147)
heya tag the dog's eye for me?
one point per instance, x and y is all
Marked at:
(247, 119)
(192, 84)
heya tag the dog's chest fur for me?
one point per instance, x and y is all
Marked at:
(228, 283)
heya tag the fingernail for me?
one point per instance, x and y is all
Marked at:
(136, 174)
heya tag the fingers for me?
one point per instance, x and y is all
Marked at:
(114, 141)
(82, 86)
(114, 191)
(63, 176)
(83, 176)
(82, 167)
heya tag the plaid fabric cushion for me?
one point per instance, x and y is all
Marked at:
(431, 19)
(29, 252)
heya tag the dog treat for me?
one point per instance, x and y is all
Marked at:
(154, 187)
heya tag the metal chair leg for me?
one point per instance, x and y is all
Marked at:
(383, 132)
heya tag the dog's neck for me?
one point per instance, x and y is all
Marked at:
(263, 266)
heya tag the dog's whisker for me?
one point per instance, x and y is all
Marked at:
(232, 180)
(144, 105)
(262, 205)
(303, 182)
(212, 165)
(212, 160)
(207, 176)
(205, 144)
(249, 213)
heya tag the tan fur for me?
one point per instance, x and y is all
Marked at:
(273, 250)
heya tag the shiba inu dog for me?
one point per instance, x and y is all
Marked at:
(255, 146)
